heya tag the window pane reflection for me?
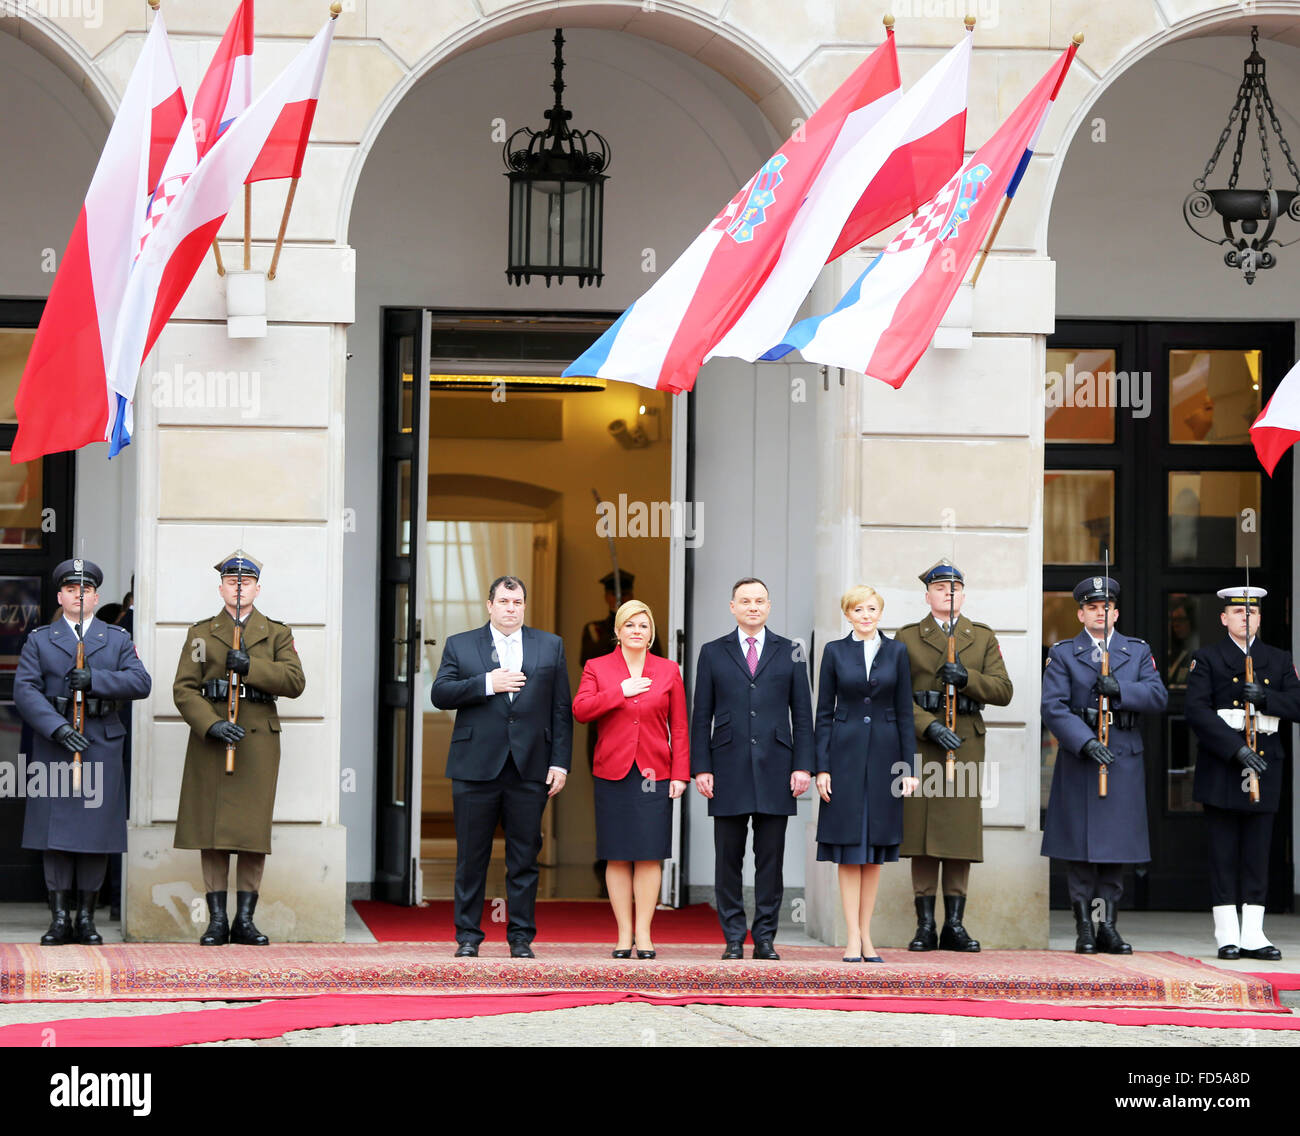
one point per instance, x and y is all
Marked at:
(1075, 378)
(1208, 521)
(1078, 516)
(1213, 396)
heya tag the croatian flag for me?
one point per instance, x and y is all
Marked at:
(172, 251)
(852, 169)
(227, 86)
(885, 321)
(1277, 428)
(64, 401)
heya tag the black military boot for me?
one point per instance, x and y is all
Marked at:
(1085, 941)
(60, 931)
(925, 938)
(86, 933)
(1108, 938)
(242, 930)
(218, 932)
(953, 937)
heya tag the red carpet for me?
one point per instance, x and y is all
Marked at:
(273, 1019)
(558, 921)
(152, 971)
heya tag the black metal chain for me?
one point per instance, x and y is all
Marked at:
(1242, 93)
(1263, 144)
(1267, 100)
(1247, 86)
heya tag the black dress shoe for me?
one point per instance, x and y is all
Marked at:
(1268, 954)
(61, 929)
(873, 958)
(623, 953)
(1109, 940)
(1085, 940)
(645, 954)
(734, 951)
(1230, 952)
(763, 949)
(86, 932)
(466, 951)
(243, 930)
(953, 937)
(521, 950)
(926, 938)
(218, 932)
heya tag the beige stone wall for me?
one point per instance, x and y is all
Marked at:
(286, 497)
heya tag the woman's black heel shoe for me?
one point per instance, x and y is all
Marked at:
(645, 954)
(622, 953)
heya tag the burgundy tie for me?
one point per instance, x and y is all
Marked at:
(751, 656)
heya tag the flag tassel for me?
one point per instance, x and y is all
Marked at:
(284, 224)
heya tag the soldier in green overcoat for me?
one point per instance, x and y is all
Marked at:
(941, 822)
(222, 812)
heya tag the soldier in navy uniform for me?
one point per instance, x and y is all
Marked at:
(1096, 835)
(1240, 829)
(77, 827)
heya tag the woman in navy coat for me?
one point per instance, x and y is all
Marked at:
(865, 759)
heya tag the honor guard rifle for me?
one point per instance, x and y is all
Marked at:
(949, 690)
(1252, 778)
(78, 696)
(1103, 703)
(233, 679)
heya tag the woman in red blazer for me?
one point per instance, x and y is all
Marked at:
(643, 742)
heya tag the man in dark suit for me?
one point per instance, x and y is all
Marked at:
(510, 752)
(751, 756)
(1097, 835)
(1240, 828)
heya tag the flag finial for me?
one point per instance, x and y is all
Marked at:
(889, 21)
(1078, 38)
(335, 9)
(154, 4)
(970, 23)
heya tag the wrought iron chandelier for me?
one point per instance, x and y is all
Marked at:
(1247, 248)
(557, 195)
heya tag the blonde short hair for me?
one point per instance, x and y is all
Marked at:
(859, 595)
(628, 610)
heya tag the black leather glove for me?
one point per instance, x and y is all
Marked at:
(70, 740)
(1256, 695)
(1109, 686)
(953, 673)
(79, 678)
(237, 661)
(228, 732)
(1247, 758)
(943, 737)
(1099, 753)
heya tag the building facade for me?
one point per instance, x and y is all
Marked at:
(317, 458)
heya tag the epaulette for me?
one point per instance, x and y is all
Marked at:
(983, 625)
(916, 623)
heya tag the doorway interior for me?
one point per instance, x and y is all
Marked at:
(1155, 464)
(498, 457)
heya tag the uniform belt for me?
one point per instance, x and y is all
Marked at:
(218, 690)
(1236, 720)
(94, 707)
(932, 700)
(1122, 719)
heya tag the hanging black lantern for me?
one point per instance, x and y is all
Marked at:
(557, 196)
(1247, 248)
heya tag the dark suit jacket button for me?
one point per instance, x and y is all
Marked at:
(753, 741)
(753, 713)
(868, 720)
(867, 701)
(752, 685)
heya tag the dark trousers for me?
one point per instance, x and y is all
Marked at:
(729, 836)
(1239, 846)
(478, 806)
(74, 871)
(1088, 881)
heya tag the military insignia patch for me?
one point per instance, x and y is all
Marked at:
(1097, 582)
(1190, 668)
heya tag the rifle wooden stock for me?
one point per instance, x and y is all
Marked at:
(78, 717)
(950, 703)
(232, 707)
(1252, 778)
(1103, 720)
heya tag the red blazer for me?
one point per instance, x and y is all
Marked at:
(649, 729)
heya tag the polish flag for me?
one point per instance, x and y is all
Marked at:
(64, 401)
(884, 323)
(856, 166)
(1277, 428)
(227, 86)
(173, 250)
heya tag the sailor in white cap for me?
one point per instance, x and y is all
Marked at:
(1240, 784)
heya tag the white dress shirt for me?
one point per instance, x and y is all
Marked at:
(758, 642)
(85, 624)
(870, 649)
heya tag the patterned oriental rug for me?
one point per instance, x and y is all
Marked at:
(147, 971)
